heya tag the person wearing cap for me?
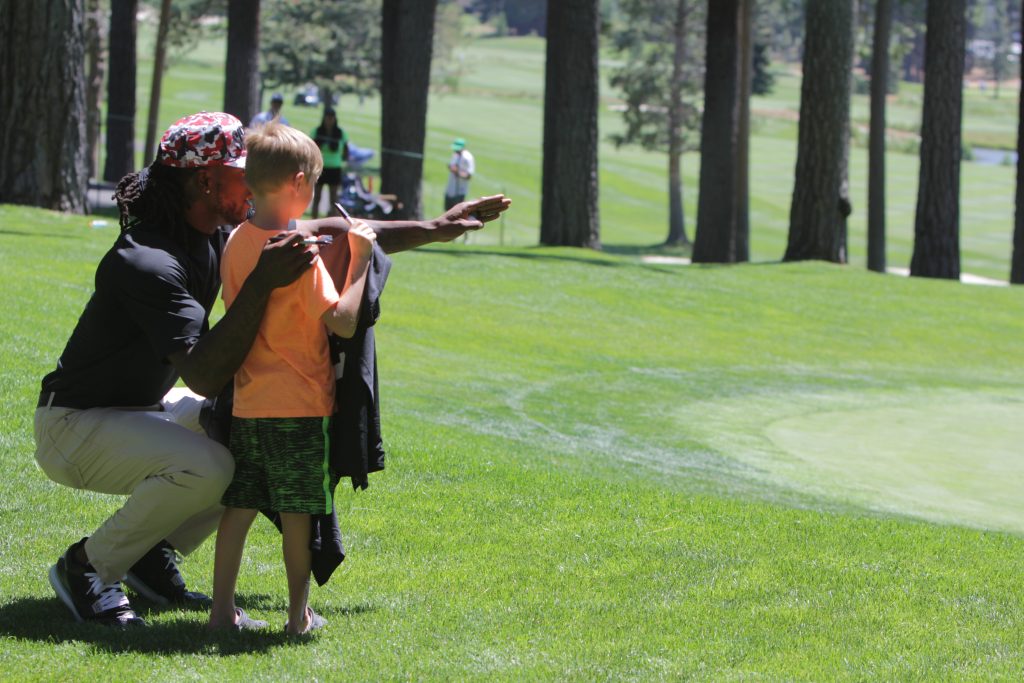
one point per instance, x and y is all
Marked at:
(460, 170)
(276, 101)
(107, 420)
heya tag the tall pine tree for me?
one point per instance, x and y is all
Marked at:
(42, 125)
(722, 223)
(817, 219)
(876, 136)
(120, 160)
(1017, 263)
(937, 222)
(569, 212)
(242, 67)
(407, 34)
(659, 82)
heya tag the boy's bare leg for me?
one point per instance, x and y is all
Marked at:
(234, 526)
(295, 528)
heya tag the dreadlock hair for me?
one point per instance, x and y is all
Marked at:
(157, 196)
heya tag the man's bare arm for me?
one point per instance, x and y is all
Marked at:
(211, 363)
(395, 236)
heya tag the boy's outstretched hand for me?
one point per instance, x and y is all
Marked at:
(360, 239)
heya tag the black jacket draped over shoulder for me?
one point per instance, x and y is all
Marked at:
(356, 445)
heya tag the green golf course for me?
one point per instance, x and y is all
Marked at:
(602, 467)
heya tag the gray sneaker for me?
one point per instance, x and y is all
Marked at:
(89, 599)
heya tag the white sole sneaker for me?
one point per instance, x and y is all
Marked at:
(63, 594)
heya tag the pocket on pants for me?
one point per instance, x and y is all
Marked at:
(55, 437)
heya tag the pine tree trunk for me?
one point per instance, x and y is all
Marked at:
(715, 241)
(937, 223)
(746, 41)
(817, 219)
(1017, 264)
(159, 63)
(569, 208)
(242, 69)
(876, 136)
(121, 91)
(42, 127)
(676, 216)
(95, 70)
(407, 45)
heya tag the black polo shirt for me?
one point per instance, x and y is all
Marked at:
(153, 297)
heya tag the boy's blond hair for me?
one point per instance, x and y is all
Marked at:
(275, 153)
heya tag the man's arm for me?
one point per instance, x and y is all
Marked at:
(395, 236)
(211, 363)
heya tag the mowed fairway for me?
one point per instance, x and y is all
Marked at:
(950, 456)
(599, 469)
(830, 381)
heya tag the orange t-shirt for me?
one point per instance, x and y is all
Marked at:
(288, 370)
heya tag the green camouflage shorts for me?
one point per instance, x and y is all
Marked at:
(282, 464)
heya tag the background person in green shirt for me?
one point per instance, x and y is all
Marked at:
(333, 144)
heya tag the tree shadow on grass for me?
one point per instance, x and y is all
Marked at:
(524, 253)
(47, 620)
(38, 235)
(565, 254)
(594, 258)
(660, 249)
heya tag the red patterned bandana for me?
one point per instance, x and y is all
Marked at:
(203, 139)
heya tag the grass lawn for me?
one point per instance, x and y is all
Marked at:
(599, 469)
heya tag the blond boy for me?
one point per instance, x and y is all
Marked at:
(284, 391)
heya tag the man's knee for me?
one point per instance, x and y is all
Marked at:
(212, 466)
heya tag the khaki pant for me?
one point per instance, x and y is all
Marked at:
(159, 457)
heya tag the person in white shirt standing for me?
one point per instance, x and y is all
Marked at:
(265, 117)
(460, 170)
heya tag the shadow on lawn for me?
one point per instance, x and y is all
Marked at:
(524, 254)
(593, 258)
(48, 620)
(638, 251)
(645, 250)
(35, 234)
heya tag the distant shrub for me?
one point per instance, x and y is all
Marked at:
(908, 146)
(861, 85)
(763, 80)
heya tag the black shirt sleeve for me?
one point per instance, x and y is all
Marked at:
(151, 286)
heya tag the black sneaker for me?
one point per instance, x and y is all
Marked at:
(89, 599)
(156, 577)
